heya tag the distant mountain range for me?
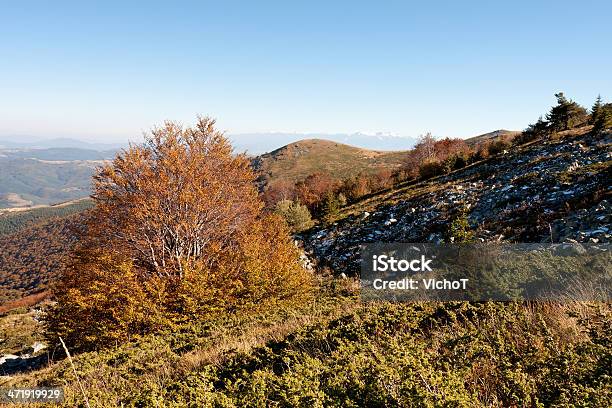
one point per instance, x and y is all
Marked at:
(259, 143)
(252, 143)
(32, 143)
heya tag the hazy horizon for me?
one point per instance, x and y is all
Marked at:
(252, 143)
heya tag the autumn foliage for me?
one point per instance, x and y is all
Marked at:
(177, 233)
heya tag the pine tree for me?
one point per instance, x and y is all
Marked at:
(459, 230)
(567, 114)
(596, 110)
(604, 118)
(331, 207)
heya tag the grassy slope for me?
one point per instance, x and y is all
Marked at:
(501, 133)
(336, 351)
(297, 160)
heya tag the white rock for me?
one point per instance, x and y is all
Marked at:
(6, 357)
(37, 346)
(390, 221)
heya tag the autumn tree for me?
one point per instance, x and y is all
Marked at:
(177, 233)
(356, 187)
(421, 152)
(312, 190)
(428, 156)
(279, 191)
(382, 179)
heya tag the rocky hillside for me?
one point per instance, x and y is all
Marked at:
(546, 190)
(297, 160)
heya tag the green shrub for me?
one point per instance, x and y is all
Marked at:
(459, 230)
(331, 207)
(498, 146)
(456, 162)
(296, 215)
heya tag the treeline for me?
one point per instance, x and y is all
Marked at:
(12, 222)
(321, 196)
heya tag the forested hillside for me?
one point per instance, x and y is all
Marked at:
(34, 256)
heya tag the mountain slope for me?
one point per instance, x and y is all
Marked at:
(296, 161)
(14, 220)
(549, 189)
(336, 350)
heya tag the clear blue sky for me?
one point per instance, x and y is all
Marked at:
(111, 70)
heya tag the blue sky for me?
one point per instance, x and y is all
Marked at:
(111, 70)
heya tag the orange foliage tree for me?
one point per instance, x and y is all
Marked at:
(430, 153)
(177, 233)
(314, 188)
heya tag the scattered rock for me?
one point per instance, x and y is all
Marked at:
(503, 205)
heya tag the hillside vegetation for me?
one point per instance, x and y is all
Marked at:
(33, 257)
(35, 244)
(548, 190)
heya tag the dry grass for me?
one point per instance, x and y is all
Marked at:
(226, 343)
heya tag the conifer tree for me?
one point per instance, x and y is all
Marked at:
(604, 118)
(331, 207)
(296, 215)
(596, 110)
(567, 114)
